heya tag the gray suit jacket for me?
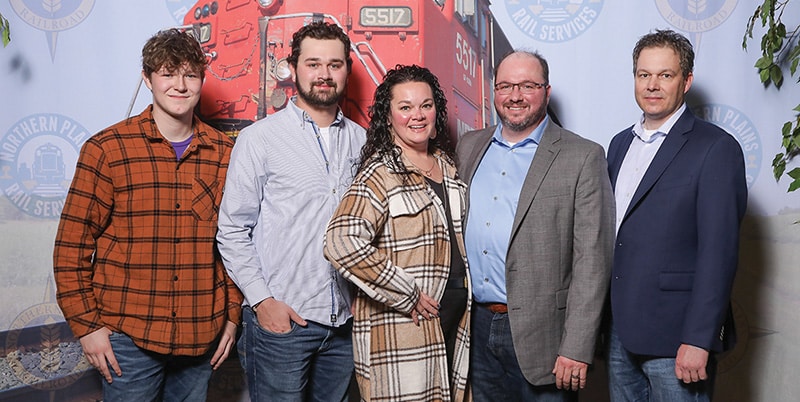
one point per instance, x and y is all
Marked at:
(560, 252)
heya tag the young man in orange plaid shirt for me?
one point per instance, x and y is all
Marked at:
(139, 278)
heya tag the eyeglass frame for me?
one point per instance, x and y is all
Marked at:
(535, 86)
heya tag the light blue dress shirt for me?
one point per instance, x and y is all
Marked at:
(493, 198)
(282, 187)
(643, 149)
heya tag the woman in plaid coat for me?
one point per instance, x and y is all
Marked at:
(397, 235)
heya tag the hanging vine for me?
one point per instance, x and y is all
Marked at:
(780, 50)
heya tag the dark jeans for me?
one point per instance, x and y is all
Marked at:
(311, 363)
(148, 376)
(637, 378)
(496, 375)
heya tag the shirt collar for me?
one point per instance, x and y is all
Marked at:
(305, 118)
(535, 136)
(639, 131)
(154, 135)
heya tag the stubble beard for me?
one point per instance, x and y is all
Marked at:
(526, 123)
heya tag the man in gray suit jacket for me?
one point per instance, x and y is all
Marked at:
(539, 237)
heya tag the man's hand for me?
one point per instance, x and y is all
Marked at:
(690, 363)
(276, 316)
(426, 308)
(570, 374)
(97, 349)
(226, 342)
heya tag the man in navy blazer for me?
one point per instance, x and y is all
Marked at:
(680, 190)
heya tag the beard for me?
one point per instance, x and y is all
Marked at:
(527, 122)
(316, 98)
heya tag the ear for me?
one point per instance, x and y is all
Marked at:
(293, 71)
(688, 83)
(146, 80)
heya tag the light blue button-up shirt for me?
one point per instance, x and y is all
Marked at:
(643, 149)
(282, 187)
(493, 198)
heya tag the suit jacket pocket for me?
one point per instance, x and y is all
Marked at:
(676, 281)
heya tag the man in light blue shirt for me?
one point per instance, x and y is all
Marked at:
(539, 236)
(287, 174)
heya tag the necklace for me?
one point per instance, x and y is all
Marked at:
(426, 172)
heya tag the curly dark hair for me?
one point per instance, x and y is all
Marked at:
(171, 49)
(380, 140)
(669, 39)
(319, 30)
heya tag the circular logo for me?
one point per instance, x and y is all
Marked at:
(696, 15)
(38, 155)
(52, 15)
(738, 125)
(179, 8)
(553, 20)
(54, 362)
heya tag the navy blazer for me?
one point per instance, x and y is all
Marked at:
(677, 247)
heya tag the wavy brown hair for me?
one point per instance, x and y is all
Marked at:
(380, 140)
(172, 49)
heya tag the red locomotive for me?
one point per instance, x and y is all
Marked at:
(248, 42)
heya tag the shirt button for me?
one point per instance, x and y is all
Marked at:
(502, 173)
(486, 279)
(174, 314)
(177, 205)
(485, 252)
(333, 191)
(177, 241)
(175, 278)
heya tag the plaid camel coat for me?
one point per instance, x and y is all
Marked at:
(390, 238)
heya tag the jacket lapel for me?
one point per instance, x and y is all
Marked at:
(675, 140)
(615, 159)
(545, 155)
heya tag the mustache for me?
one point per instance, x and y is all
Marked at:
(329, 83)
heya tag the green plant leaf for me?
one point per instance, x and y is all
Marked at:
(794, 185)
(5, 31)
(764, 75)
(778, 166)
(776, 75)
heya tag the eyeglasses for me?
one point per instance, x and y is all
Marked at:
(527, 87)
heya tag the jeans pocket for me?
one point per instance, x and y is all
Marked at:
(292, 327)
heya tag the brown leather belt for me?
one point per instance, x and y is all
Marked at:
(497, 308)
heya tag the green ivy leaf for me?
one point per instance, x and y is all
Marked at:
(778, 166)
(764, 75)
(5, 31)
(776, 75)
(794, 185)
(794, 174)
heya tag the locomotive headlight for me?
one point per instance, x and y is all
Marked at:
(269, 6)
(282, 71)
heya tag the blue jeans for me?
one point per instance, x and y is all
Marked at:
(638, 378)
(311, 363)
(148, 376)
(496, 375)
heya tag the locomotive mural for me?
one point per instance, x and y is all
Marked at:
(248, 41)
